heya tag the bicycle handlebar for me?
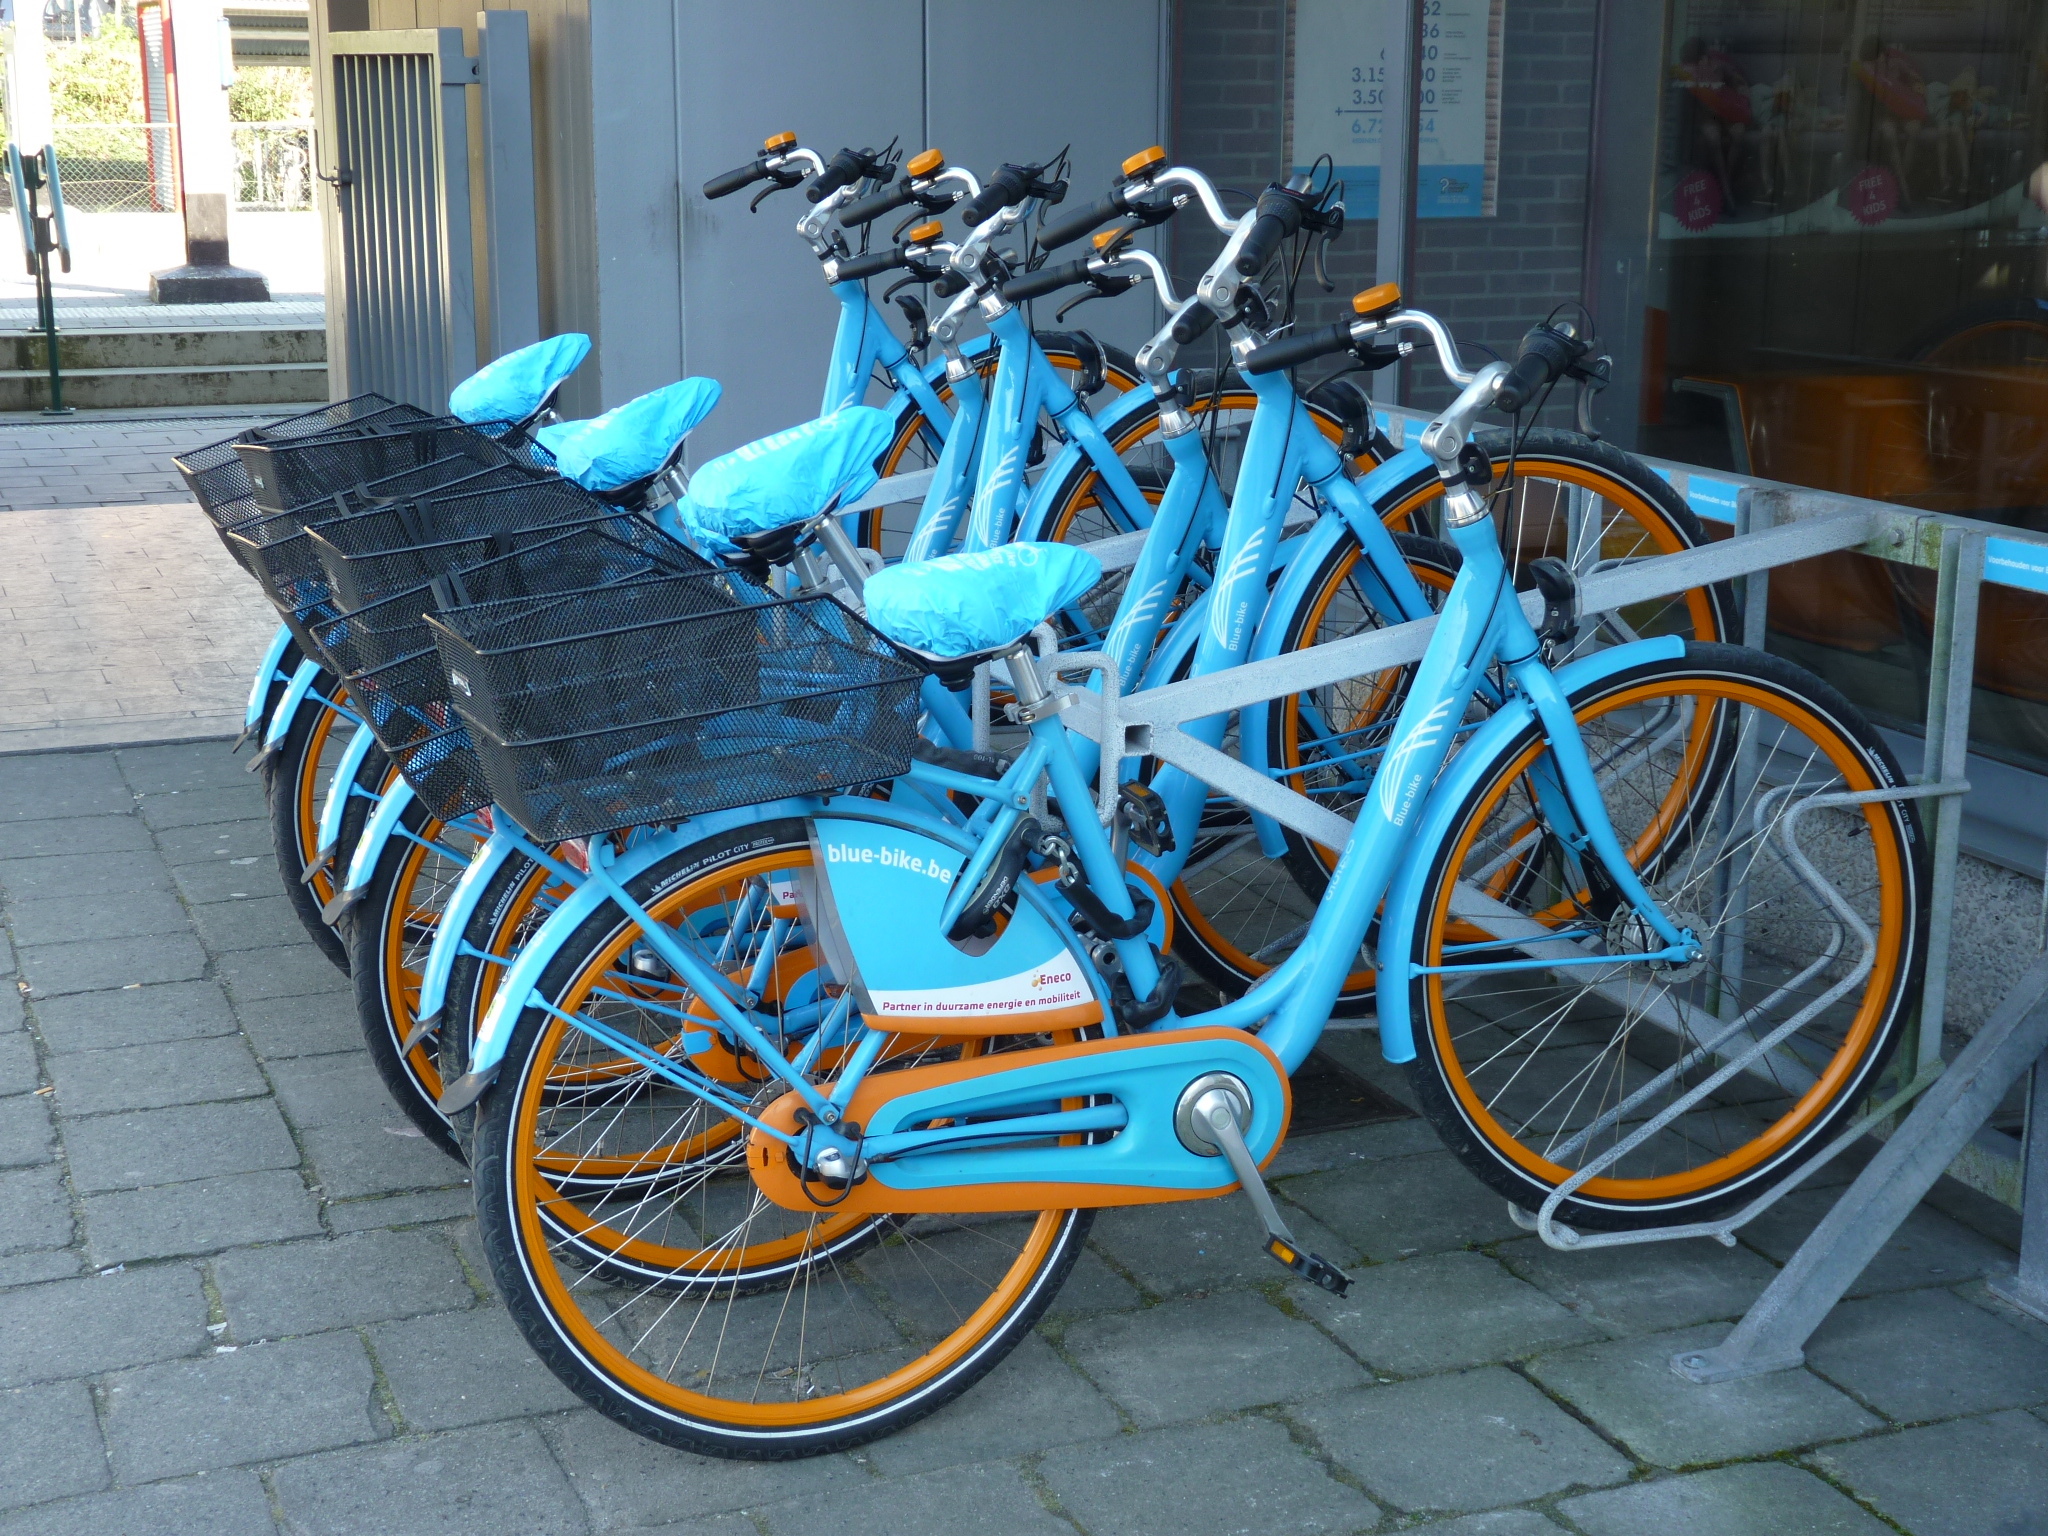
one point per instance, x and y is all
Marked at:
(844, 169)
(1083, 221)
(1045, 280)
(1195, 322)
(1548, 353)
(731, 181)
(873, 206)
(1010, 185)
(1278, 215)
(1292, 351)
(857, 268)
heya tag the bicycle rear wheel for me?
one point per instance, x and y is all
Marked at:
(1717, 769)
(296, 781)
(642, 1264)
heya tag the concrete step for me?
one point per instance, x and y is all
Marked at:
(212, 347)
(119, 388)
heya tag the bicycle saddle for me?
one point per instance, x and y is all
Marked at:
(789, 477)
(521, 384)
(987, 600)
(632, 441)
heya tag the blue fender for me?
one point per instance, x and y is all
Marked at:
(494, 1031)
(461, 907)
(1031, 524)
(268, 671)
(382, 826)
(1478, 757)
(287, 710)
(339, 788)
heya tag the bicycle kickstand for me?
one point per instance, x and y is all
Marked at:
(1215, 1122)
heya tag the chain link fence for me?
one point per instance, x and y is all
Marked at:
(132, 167)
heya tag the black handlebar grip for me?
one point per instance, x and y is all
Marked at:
(842, 170)
(1009, 185)
(1082, 221)
(1292, 351)
(867, 209)
(732, 181)
(1268, 231)
(1530, 373)
(874, 264)
(1033, 285)
(1197, 322)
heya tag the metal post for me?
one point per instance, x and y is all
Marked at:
(2028, 1288)
(35, 176)
(1951, 674)
(1772, 1335)
(513, 261)
(1397, 167)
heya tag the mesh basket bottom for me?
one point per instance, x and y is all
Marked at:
(446, 774)
(652, 775)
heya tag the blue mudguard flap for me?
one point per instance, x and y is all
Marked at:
(630, 441)
(512, 387)
(959, 604)
(786, 478)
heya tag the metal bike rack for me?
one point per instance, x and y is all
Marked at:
(1944, 1107)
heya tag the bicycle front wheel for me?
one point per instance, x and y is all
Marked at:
(1726, 773)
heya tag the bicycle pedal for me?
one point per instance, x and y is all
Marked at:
(1311, 1267)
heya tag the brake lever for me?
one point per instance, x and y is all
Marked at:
(1591, 377)
(1322, 266)
(776, 183)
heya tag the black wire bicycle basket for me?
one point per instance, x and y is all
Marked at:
(386, 652)
(445, 773)
(284, 475)
(373, 554)
(219, 481)
(652, 702)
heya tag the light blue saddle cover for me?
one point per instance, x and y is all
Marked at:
(632, 440)
(786, 478)
(512, 387)
(959, 604)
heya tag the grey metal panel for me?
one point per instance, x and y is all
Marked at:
(504, 69)
(1013, 80)
(756, 315)
(396, 128)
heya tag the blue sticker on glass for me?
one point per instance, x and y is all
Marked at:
(1711, 498)
(2011, 563)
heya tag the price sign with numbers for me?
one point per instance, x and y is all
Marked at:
(1340, 79)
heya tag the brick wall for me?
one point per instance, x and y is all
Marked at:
(1489, 278)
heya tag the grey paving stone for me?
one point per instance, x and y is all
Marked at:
(626, 1481)
(206, 845)
(100, 1323)
(26, 1135)
(1929, 1355)
(177, 1145)
(55, 784)
(155, 1076)
(97, 965)
(459, 1368)
(1969, 1477)
(359, 1141)
(1092, 1286)
(261, 922)
(49, 1444)
(240, 1406)
(399, 1210)
(83, 874)
(1202, 1245)
(13, 1011)
(497, 1477)
(203, 807)
(178, 1010)
(71, 836)
(1728, 1501)
(29, 1268)
(1442, 1311)
(995, 1500)
(1647, 1285)
(294, 970)
(1499, 1522)
(222, 1504)
(174, 1220)
(1404, 1206)
(1927, 1249)
(283, 1027)
(19, 1070)
(1031, 1402)
(183, 765)
(1185, 1359)
(1204, 1480)
(1344, 1149)
(10, 961)
(62, 919)
(247, 878)
(1629, 1389)
(35, 1211)
(1471, 1440)
(365, 1277)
